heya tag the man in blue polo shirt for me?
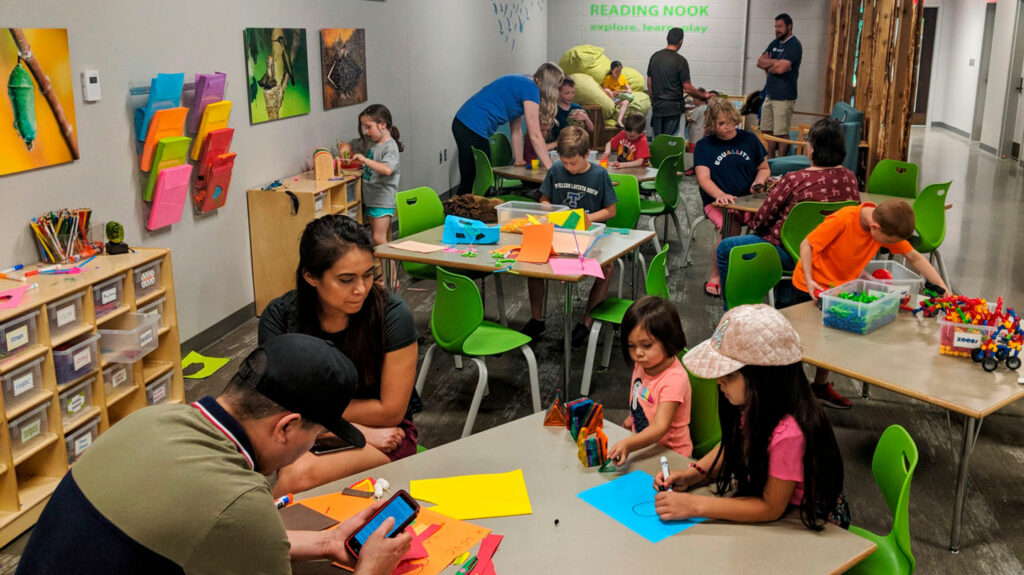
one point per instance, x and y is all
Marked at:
(182, 488)
(781, 62)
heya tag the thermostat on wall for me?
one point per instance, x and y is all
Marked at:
(91, 85)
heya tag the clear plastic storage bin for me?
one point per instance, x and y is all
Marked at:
(857, 317)
(108, 295)
(65, 314)
(575, 242)
(156, 307)
(904, 279)
(116, 377)
(147, 279)
(513, 216)
(75, 358)
(18, 334)
(81, 440)
(75, 402)
(23, 384)
(29, 429)
(128, 338)
(961, 339)
(159, 391)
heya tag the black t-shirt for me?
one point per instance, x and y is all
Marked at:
(668, 72)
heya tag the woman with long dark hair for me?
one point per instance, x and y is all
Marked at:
(336, 299)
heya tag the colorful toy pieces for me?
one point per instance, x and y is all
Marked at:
(1004, 345)
(971, 329)
(584, 418)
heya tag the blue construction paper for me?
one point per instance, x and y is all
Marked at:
(630, 501)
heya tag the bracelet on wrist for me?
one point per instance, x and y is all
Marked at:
(698, 468)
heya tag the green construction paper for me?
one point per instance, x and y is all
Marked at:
(170, 152)
(210, 364)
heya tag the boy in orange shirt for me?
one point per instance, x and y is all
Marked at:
(839, 249)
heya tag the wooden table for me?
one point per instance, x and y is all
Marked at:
(753, 202)
(587, 541)
(903, 357)
(605, 250)
(526, 174)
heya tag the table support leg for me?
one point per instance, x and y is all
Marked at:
(972, 426)
(386, 270)
(637, 271)
(727, 215)
(567, 320)
(865, 390)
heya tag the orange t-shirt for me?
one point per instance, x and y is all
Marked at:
(841, 249)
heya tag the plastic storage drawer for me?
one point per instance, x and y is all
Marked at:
(128, 338)
(75, 359)
(29, 429)
(512, 216)
(117, 376)
(575, 242)
(156, 307)
(159, 391)
(147, 279)
(855, 316)
(18, 334)
(65, 315)
(81, 440)
(904, 279)
(107, 296)
(75, 402)
(23, 384)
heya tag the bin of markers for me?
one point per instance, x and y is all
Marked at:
(108, 295)
(81, 440)
(904, 279)
(65, 315)
(18, 334)
(859, 306)
(75, 358)
(960, 339)
(126, 339)
(514, 216)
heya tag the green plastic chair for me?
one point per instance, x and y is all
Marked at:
(627, 212)
(930, 225)
(893, 467)
(501, 155)
(611, 311)
(666, 183)
(802, 220)
(458, 325)
(894, 178)
(484, 180)
(662, 147)
(705, 428)
(753, 272)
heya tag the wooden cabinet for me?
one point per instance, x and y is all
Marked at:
(277, 218)
(36, 457)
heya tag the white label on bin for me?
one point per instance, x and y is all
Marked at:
(23, 383)
(148, 278)
(82, 443)
(159, 393)
(17, 338)
(82, 359)
(30, 431)
(77, 403)
(967, 340)
(66, 315)
(108, 295)
(146, 338)
(120, 376)
(318, 203)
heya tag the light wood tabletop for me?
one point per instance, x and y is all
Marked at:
(587, 541)
(527, 174)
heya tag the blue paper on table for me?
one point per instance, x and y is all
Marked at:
(630, 501)
(465, 231)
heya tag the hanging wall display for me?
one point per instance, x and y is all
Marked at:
(37, 113)
(343, 59)
(277, 66)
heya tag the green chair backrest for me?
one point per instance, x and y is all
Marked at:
(501, 150)
(458, 310)
(627, 202)
(930, 216)
(657, 275)
(705, 428)
(664, 146)
(893, 467)
(894, 178)
(484, 180)
(418, 209)
(753, 270)
(666, 183)
(802, 220)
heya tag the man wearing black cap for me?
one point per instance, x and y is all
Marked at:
(181, 489)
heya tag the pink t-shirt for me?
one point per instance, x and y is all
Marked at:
(647, 392)
(786, 455)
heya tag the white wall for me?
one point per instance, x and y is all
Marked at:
(423, 59)
(999, 72)
(810, 26)
(955, 78)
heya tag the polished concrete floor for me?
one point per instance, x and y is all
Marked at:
(983, 257)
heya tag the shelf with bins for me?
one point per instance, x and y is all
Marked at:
(61, 391)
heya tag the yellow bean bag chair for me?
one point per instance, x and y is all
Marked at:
(587, 65)
(586, 59)
(637, 81)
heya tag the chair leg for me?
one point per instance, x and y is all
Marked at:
(531, 364)
(865, 390)
(500, 292)
(771, 297)
(622, 274)
(588, 363)
(478, 396)
(689, 240)
(643, 265)
(679, 228)
(458, 362)
(427, 358)
(942, 269)
(654, 228)
(544, 303)
(606, 351)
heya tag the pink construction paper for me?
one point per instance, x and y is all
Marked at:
(169, 197)
(572, 267)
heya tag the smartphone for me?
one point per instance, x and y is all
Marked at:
(402, 507)
(329, 444)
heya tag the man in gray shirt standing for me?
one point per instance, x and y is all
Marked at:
(668, 77)
(781, 61)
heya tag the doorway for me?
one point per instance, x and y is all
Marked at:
(986, 54)
(924, 69)
(1008, 145)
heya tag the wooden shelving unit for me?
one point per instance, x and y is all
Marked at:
(277, 218)
(28, 479)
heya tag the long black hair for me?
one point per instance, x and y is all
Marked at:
(772, 393)
(323, 242)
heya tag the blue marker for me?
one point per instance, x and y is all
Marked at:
(283, 500)
(12, 269)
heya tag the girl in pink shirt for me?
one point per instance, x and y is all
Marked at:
(777, 450)
(659, 397)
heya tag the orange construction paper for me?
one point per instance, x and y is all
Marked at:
(167, 123)
(536, 247)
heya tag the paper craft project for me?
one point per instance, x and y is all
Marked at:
(485, 555)
(363, 485)
(215, 117)
(466, 231)
(418, 247)
(11, 298)
(209, 89)
(536, 246)
(167, 123)
(569, 219)
(215, 194)
(169, 196)
(630, 501)
(574, 267)
(475, 496)
(216, 143)
(208, 365)
(170, 152)
(298, 517)
(164, 92)
(564, 242)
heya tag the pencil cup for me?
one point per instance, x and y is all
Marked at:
(534, 164)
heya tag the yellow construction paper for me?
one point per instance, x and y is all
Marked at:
(559, 218)
(475, 496)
